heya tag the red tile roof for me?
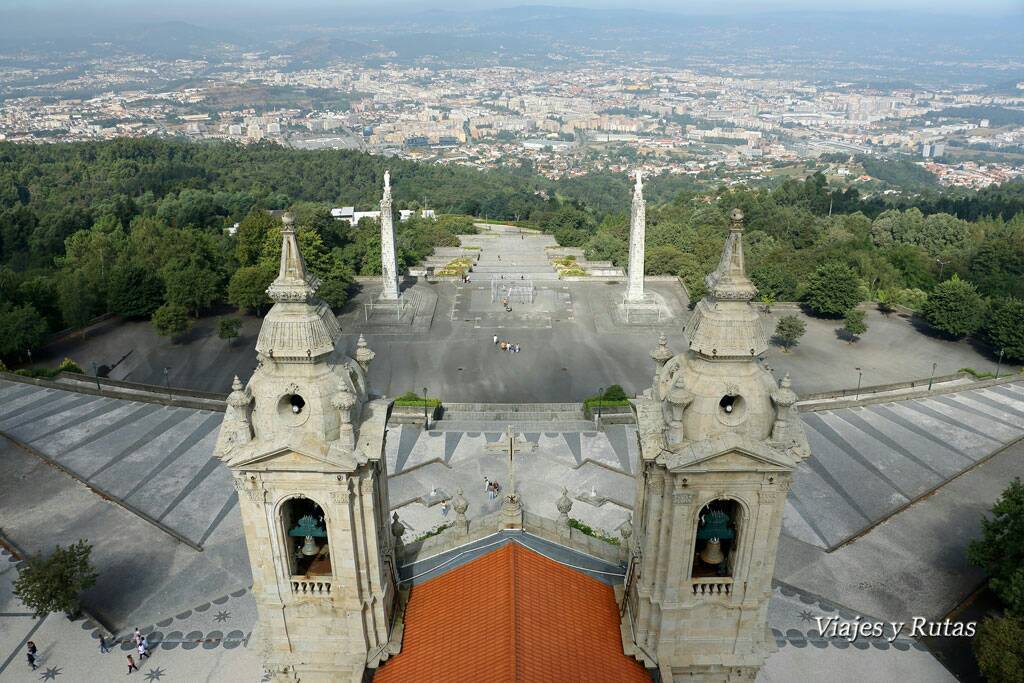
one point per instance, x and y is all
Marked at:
(512, 615)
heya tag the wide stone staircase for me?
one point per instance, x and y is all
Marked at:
(511, 257)
(524, 417)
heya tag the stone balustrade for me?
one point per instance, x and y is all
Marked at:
(713, 585)
(304, 585)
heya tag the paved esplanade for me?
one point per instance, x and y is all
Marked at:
(868, 462)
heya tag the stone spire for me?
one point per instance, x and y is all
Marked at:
(299, 327)
(724, 325)
(293, 283)
(388, 258)
(637, 240)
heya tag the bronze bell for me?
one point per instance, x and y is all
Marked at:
(310, 548)
(712, 553)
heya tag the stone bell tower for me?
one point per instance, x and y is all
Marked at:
(719, 441)
(304, 444)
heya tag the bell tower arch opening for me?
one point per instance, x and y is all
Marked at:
(304, 527)
(717, 540)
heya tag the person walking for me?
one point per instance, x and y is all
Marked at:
(32, 660)
(137, 636)
(145, 644)
(444, 508)
(143, 654)
(104, 648)
(131, 664)
(495, 340)
(33, 655)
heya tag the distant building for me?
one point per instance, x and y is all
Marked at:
(349, 214)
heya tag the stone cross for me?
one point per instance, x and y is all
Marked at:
(513, 448)
(637, 240)
(388, 257)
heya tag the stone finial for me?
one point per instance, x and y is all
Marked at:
(459, 502)
(364, 355)
(387, 180)
(238, 398)
(460, 505)
(397, 529)
(639, 187)
(784, 396)
(626, 531)
(343, 402)
(293, 283)
(736, 217)
(661, 353)
(564, 505)
(678, 398)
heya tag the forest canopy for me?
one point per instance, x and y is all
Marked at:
(130, 225)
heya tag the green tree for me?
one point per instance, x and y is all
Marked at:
(999, 649)
(78, 300)
(247, 288)
(1004, 328)
(832, 290)
(789, 330)
(252, 234)
(194, 288)
(1000, 550)
(955, 308)
(854, 325)
(52, 584)
(767, 300)
(228, 328)
(664, 260)
(133, 291)
(171, 320)
(21, 329)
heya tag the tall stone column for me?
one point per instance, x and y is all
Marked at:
(637, 238)
(388, 258)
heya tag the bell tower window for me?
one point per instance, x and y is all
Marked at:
(717, 539)
(306, 537)
(292, 409)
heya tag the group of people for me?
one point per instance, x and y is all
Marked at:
(491, 488)
(506, 345)
(142, 645)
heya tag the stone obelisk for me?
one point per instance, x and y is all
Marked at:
(637, 230)
(388, 259)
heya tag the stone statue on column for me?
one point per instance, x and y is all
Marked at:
(388, 255)
(637, 240)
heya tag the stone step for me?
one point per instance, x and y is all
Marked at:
(519, 426)
(514, 407)
(499, 416)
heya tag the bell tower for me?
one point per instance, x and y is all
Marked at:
(304, 444)
(719, 441)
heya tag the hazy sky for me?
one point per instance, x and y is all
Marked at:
(199, 8)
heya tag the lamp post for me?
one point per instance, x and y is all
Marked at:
(96, 375)
(942, 267)
(999, 363)
(931, 377)
(860, 375)
(167, 382)
(426, 419)
(600, 400)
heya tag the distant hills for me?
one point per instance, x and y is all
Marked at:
(862, 46)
